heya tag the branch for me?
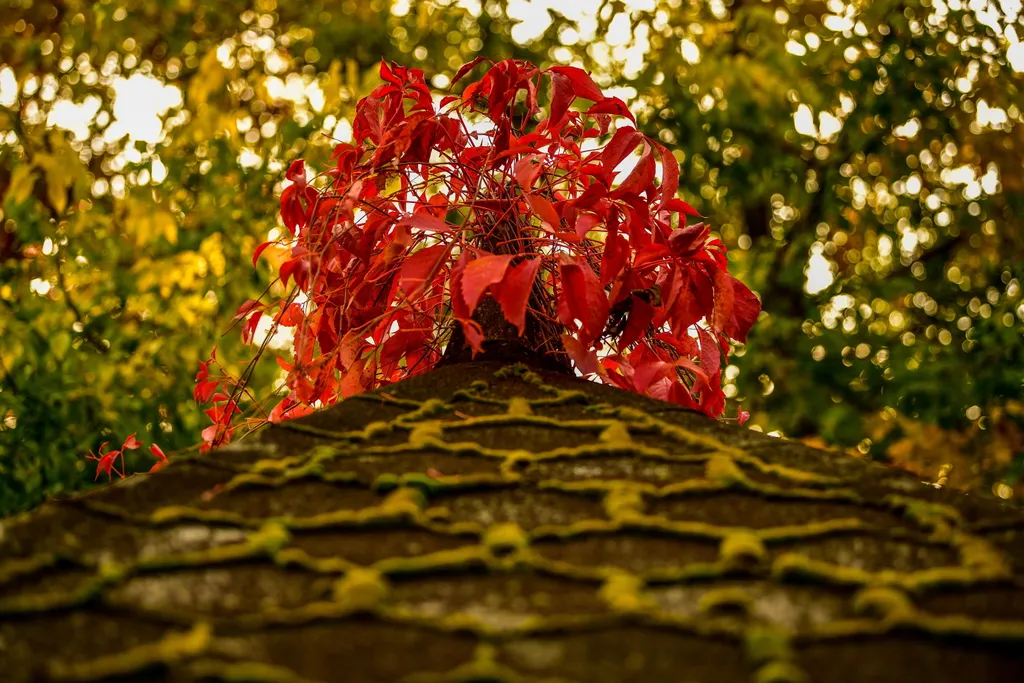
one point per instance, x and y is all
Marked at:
(93, 340)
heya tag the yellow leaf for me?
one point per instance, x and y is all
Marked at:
(212, 249)
(23, 179)
(59, 343)
(62, 169)
(210, 78)
(332, 86)
(58, 180)
(147, 222)
(166, 226)
(352, 78)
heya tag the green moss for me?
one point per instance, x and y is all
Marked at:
(376, 430)
(424, 482)
(883, 602)
(360, 589)
(793, 566)
(173, 648)
(505, 538)
(767, 644)
(931, 516)
(623, 502)
(426, 434)
(722, 469)
(623, 592)
(979, 554)
(780, 672)
(12, 569)
(616, 434)
(725, 600)
(519, 407)
(405, 499)
(515, 371)
(497, 548)
(270, 537)
(244, 672)
(385, 482)
(742, 548)
(432, 407)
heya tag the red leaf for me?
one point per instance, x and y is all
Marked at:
(745, 309)
(513, 292)
(545, 211)
(641, 177)
(249, 329)
(466, 68)
(204, 390)
(158, 453)
(710, 352)
(618, 148)
(418, 267)
(357, 378)
(561, 97)
(611, 105)
(692, 301)
(652, 252)
(641, 314)
(580, 81)
(669, 176)
(288, 409)
(298, 268)
(574, 294)
(724, 298)
(297, 172)
(259, 250)
(676, 204)
(131, 443)
(614, 258)
(474, 334)
(527, 169)
(424, 221)
(386, 75)
(583, 297)
(105, 464)
(689, 240)
(481, 273)
(291, 315)
(248, 307)
(585, 222)
(650, 371)
(585, 359)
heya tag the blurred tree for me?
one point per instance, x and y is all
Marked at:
(861, 160)
(141, 148)
(865, 160)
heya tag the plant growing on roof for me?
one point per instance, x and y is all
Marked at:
(459, 225)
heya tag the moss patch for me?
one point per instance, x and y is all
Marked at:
(484, 522)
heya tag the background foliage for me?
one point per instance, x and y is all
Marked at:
(861, 160)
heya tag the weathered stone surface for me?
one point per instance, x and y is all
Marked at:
(486, 523)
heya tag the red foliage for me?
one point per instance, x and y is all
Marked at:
(106, 460)
(441, 202)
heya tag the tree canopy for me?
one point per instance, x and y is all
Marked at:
(861, 162)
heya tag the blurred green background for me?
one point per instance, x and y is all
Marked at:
(861, 160)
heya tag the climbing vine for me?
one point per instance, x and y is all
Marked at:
(559, 216)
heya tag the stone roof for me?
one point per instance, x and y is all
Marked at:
(493, 523)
